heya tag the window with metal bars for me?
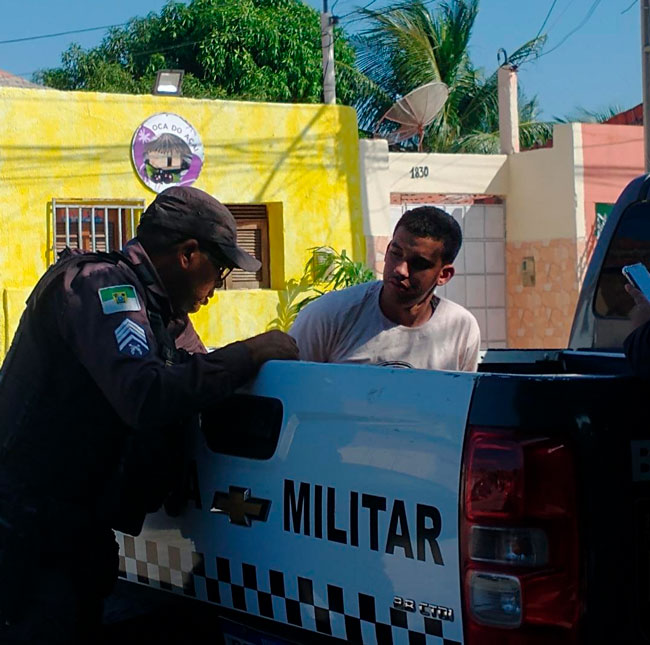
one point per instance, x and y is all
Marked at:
(94, 225)
(106, 225)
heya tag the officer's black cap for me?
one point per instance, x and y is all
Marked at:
(189, 210)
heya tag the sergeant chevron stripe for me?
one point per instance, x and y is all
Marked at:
(131, 339)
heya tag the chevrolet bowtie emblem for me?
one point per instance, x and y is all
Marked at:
(240, 507)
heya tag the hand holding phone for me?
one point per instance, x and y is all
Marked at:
(639, 277)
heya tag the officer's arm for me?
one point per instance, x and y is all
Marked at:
(105, 323)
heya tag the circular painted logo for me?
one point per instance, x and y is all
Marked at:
(167, 151)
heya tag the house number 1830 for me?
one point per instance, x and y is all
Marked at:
(419, 172)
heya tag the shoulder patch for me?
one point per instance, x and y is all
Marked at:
(121, 297)
(131, 339)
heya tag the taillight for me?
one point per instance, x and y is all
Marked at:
(519, 539)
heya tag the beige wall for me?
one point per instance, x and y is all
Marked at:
(542, 198)
(385, 172)
(545, 222)
(449, 173)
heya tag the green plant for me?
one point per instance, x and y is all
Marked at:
(326, 270)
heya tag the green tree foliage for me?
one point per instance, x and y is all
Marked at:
(260, 50)
(414, 42)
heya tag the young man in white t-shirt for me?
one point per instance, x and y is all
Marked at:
(398, 320)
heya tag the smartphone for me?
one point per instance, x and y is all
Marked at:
(638, 276)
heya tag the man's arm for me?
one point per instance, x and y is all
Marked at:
(119, 351)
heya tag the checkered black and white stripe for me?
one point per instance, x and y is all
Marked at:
(272, 594)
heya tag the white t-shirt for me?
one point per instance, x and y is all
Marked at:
(348, 326)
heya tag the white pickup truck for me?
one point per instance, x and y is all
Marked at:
(374, 505)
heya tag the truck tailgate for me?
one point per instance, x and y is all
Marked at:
(603, 419)
(346, 526)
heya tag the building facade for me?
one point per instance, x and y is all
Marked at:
(530, 221)
(70, 174)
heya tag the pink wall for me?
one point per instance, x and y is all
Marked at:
(612, 156)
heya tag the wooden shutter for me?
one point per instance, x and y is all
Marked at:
(253, 237)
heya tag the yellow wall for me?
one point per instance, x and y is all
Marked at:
(302, 160)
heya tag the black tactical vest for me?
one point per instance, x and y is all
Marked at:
(60, 439)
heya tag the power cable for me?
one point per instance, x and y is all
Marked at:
(61, 33)
(626, 10)
(357, 10)
(548, 15)
(378, 13)
(561, 14)
(185, 43)
(580, 25)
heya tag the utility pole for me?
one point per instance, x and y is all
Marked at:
(327, 45)
(645, 57)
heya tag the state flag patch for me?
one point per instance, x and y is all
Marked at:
(121, 297)
(131, 339)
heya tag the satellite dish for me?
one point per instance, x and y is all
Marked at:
(414, 112)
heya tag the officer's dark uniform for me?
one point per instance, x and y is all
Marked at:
(92, 396)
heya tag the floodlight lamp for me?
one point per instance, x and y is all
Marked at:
(169, 82)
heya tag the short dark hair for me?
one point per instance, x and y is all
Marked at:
(429, 221)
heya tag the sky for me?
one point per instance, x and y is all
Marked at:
(592, 57)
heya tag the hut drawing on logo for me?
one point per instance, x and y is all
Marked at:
(167, 151)
(166, 158)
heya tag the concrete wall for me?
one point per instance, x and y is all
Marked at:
(544, 221)
(301, 160)
(544, 193)
(613, 156)
(551, 209)
(387, 173)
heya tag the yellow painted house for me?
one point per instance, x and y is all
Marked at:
(290, 172)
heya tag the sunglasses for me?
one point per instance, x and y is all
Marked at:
(220, 263)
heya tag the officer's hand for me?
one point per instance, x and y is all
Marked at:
(640, 313)
(272, 345)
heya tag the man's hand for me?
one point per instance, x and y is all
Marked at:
(640, 313)
(272, 345)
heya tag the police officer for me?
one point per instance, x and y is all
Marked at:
(103, 377)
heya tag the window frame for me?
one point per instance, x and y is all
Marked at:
(76, 228)
(252, 217)
(82, 235)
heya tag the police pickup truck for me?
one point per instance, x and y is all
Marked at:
(375, 505)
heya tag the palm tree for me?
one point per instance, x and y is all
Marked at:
(586, 115)
(406, 46)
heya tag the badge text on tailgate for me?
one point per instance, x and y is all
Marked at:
(432, 611)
